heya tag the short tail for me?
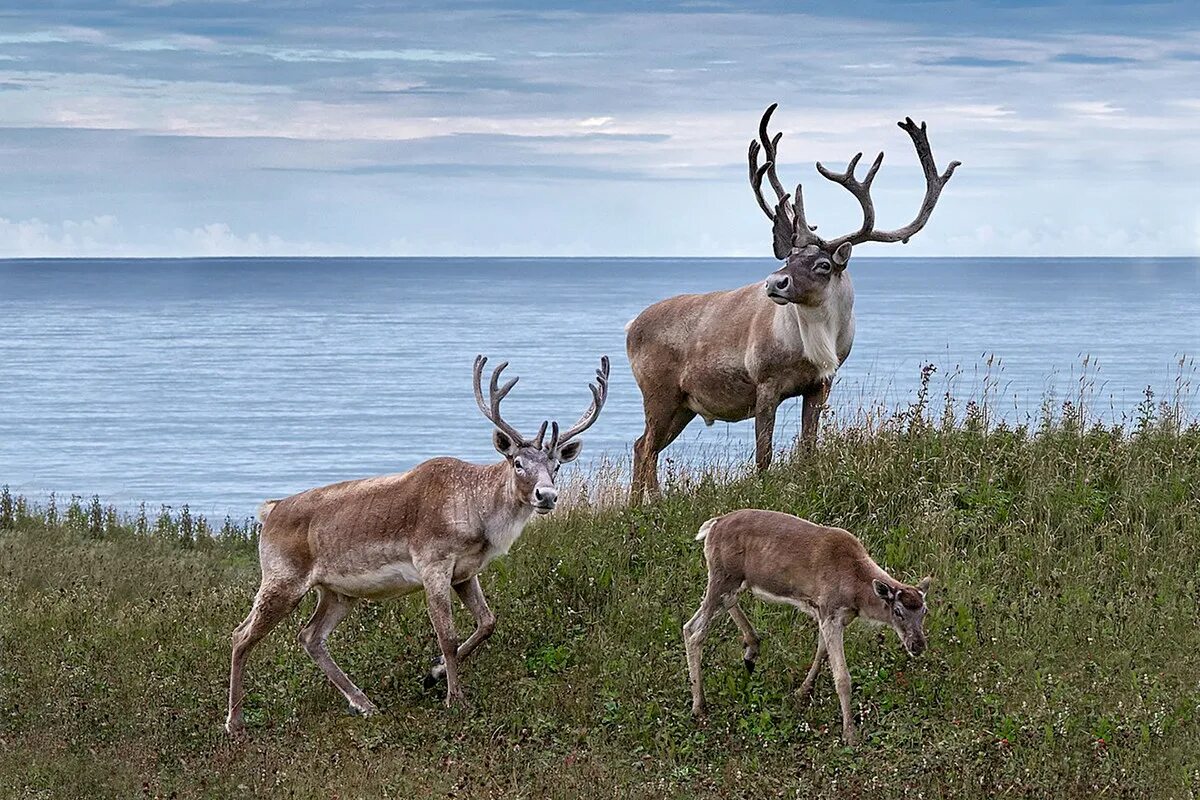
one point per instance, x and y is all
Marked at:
(265, 509)
(705, 528)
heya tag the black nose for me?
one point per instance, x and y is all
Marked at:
(545, 496)
(778, 283)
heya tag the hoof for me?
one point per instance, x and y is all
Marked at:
(748, 663)
(435, 674)
(368, 710)
(235, 729)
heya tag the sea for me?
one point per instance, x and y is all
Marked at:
(218, 383)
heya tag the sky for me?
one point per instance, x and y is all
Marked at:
(513, 127)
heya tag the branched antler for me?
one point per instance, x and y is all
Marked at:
(496, 393)
(862, 191)
(599, 396)
(791, 228)
(788, 218)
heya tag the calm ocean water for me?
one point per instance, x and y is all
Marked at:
(219, 383)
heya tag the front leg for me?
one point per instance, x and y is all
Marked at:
(814, 404)
(764, 427)
(832, 629)
(471, 594)
(436, 577)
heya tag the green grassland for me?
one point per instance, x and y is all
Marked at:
(1064, 632)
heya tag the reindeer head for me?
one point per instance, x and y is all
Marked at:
(806, 275)
(906, 609)
(535, 462)
(812, 262)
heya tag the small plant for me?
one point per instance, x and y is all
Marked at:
(95, 518)
(8, 516)
(187, 531)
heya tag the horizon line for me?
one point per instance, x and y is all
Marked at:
(260, 257)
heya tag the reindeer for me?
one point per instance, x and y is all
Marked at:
(825, 572)
(739, 353)
(435, 527)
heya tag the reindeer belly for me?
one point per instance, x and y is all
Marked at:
(724, 394)
(801, 603)
(374, 582)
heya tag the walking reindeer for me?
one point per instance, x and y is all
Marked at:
(825, 572)
(737, 354)
(435, 527)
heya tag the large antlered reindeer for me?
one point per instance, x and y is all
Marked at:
(435, 527)
(738, 354)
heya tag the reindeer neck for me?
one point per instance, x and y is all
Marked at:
(500, 509)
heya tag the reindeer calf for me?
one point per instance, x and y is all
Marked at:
(825, 572)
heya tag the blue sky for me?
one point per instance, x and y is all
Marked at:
(599, 128)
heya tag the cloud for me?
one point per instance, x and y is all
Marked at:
(34, 238)
(973, 61)
(483, 171)
(1085, 58)
(1092, 108)
(104, 236)
(616, 129)
(318, 55)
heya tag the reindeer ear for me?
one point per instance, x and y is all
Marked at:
(784, 232)
(503, 443)
(886, 593)
(569, 451)
(841, 256)
(923, 586)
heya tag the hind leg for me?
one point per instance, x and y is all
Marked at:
(275, 600)
(664, 423)
(695, 631)
(331, 609)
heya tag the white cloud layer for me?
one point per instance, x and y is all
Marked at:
(620, 131)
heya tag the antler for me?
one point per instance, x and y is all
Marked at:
(791, 228)
(497, 393)
(599, 396)
(862, 191)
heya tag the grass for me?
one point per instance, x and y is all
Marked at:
(1064, 636)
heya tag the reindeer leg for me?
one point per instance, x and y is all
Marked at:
(274, 601)
(331, 609)
(749, 638)
(811, 678)
(436, 578)
(663, 426)
(695, 631)
(764, 428)
(832, 630)
(471, 593)
(814, 404)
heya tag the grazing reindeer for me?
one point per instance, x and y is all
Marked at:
(825, 572)
(435, 527)
(735, 354)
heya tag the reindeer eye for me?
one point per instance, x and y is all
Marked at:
(519, 465)
(896, 610)
(821, 267)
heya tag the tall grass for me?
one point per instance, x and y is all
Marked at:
(1064, 638)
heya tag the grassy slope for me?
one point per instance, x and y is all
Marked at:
(1064, 646)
